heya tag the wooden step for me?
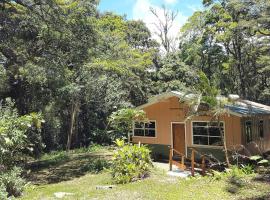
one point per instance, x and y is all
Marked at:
(179, 165)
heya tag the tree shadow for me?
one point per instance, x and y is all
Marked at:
(235, 183)
(66, 168)
(263, 176)
(262, 197)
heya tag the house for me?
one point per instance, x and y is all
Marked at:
(168, 126)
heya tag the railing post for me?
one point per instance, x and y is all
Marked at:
(183, 160)
(192, 162)
(203, 165)
(170, 159)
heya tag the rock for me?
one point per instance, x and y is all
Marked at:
(60, 195)
(104, 187)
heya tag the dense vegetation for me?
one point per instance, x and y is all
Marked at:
(76, 66)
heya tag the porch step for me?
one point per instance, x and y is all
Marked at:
(179, 165)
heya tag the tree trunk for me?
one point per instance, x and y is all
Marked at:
(223, 137)
(74, 110)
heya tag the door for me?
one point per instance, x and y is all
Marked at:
(178, 131)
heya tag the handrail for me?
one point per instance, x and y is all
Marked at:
(171, 158)
(192, 159)
(181, 154)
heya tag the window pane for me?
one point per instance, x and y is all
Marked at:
(200, 140)
(150, 125)
(261, 131)
(138, 132)
(216, 124)
(139, 125)
(200, 131)
(248, 129)
(215, 141)
(199, 123)
(214, 131)
(150, 133)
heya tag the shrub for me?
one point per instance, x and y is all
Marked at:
(3, 192)
(130, 162)
(96, 166)
(11, 183)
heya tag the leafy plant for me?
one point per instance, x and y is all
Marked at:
(3, 192)
(12, 182)
(14, 131)
(122, 120)
(96, 166)
(130, 163)
(259, 160)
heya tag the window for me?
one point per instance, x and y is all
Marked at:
(260, 127)
(207, 133)
(248, 131)
(145, 129)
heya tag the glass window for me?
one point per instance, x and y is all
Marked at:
(248, 130)
(145, 129)
(207, 133)
(261, 131)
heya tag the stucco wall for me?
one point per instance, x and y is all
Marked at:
(169, 110)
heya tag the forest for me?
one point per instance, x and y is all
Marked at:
(67, 66)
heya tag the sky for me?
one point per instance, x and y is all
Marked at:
(139, 10)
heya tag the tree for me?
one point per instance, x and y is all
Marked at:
(224, 42)
(163, 27)
(16, 138)
(208, 96)
(123, 119)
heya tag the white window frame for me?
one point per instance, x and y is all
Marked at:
(133, 135)
(205, 145)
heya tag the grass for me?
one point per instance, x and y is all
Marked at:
(78, 173)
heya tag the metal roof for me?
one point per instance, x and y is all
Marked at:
(240, 107)
(248, 110)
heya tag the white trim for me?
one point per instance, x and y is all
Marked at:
(201, 145)
(150, 120)
(166, 95)
(234, 113)
(185, 135)
(160, 97)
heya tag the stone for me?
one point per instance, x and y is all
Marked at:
(61, 195)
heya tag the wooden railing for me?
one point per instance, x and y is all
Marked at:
(182, 165)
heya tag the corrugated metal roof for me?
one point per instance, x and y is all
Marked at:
(240, 107)
(248, 110)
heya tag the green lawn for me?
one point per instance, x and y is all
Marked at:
(76, 173)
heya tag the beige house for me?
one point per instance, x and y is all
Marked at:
(244, 122)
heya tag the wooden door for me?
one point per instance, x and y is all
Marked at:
(178, 131)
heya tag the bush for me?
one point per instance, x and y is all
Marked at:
(96, 166)
(130, 162)
(3, 192)
(11, 183)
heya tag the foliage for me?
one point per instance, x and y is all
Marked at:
(77, 65)
(158, 186)
(259, 160)
(12, 182)
(228, 42)
(130, 163)
(123, 119)
(97, 166)
(18, 134)
(3, 192)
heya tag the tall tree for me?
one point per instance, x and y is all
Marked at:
(165, 21)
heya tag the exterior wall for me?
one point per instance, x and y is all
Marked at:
(263, 143)
(169, 110)
(163, 113)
